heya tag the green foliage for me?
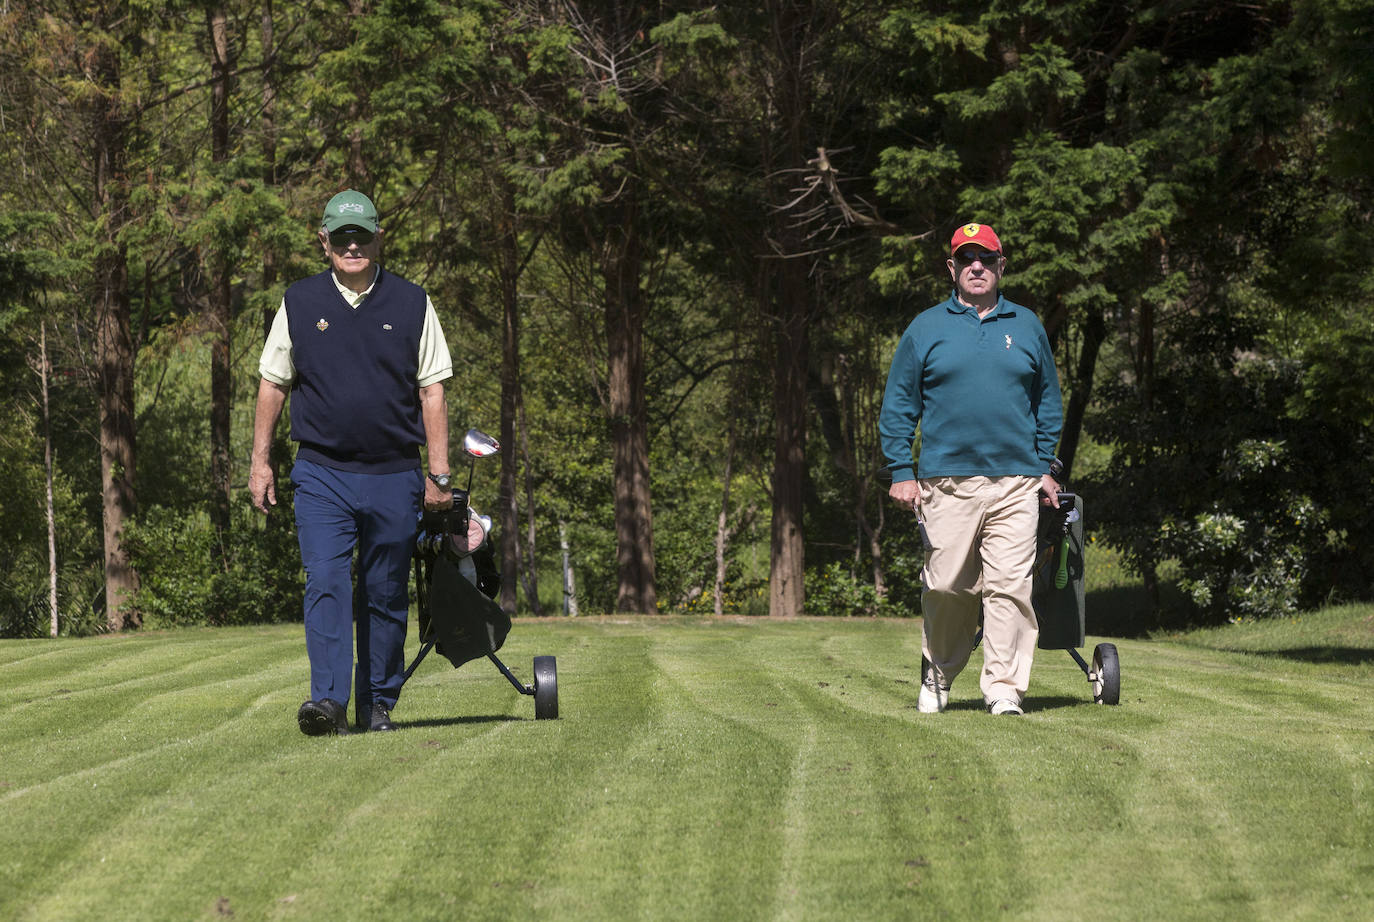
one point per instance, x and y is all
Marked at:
(24, 579)
(835, 590)
(191, 575)
(1347, 38)
(1210, 476)
(690, 31)
(1079, 219)
(1185, 178)
(28, 266)
(1044, 77)
(687, 494)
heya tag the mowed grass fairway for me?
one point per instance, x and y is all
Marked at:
(701, 769)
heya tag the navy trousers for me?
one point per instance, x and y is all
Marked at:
(376, 515)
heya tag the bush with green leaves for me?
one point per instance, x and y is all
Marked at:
(835, 590)
(1225, 473)
(1236, 569)
(191, 575)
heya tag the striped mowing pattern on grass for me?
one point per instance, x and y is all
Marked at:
(702, 769)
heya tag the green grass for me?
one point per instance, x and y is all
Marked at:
(702, 769)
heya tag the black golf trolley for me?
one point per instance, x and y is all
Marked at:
(456, 583)
(1057, 595)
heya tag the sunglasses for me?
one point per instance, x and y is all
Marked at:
(342, 238)
(986, 257)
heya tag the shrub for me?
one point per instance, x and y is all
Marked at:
(833, 590)
(188, 574)
(1255, 492)
(1240, 569)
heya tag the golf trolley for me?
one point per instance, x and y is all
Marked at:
(1057, 594)
(456, 583)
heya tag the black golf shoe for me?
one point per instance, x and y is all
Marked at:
(381, 719)
(325, 717)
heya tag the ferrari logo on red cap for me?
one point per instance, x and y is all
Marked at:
(971, 230)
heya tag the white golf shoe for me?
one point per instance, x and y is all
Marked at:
(933, 697)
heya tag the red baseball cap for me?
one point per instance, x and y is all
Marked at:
(974, 233)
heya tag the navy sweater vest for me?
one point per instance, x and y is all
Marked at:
(355, 404)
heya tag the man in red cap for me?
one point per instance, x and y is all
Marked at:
(977, 374)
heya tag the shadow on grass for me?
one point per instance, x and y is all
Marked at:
(1034, 703)
(1345, 656)
(458, 721)
(1125, 611)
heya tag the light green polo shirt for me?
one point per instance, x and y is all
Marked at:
(277, 366)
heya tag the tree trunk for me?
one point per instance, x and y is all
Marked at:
(875, 544)
(531, 567)
(723, 520)
(1094, 334)
(791, 307)
(569, 577)
(220, 314)
(787, 567)
(1145, 355)
(48, 484)
(281, 446)
(114, 342)
(624, 313)
(269, 148)
(509, 268)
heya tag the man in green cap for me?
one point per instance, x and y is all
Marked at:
(360, 353)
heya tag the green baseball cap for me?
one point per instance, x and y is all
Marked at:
(350, 208)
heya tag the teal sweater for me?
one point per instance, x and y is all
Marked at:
(985, 393)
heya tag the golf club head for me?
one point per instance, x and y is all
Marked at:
(477, 444)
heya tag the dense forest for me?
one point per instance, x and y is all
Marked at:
(673, 245)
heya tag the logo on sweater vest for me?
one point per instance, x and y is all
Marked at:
(1008, 340)
(322, 325)
(386, 326)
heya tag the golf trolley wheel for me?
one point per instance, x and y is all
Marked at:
(1106, 674)
(545, 688)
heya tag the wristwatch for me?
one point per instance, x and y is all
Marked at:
(441, 480)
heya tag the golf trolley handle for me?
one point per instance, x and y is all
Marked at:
(510, 676)
(424, 651)
(521, 687)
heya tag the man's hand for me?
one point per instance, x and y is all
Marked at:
(1049, 491)
(906, 493)
(262, 487)
(435, 498)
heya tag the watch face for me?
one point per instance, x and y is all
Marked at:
(441, 479)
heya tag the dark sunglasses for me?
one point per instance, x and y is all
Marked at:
(968, 257)
(342, 238)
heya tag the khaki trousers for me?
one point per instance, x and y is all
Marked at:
(982, 535)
